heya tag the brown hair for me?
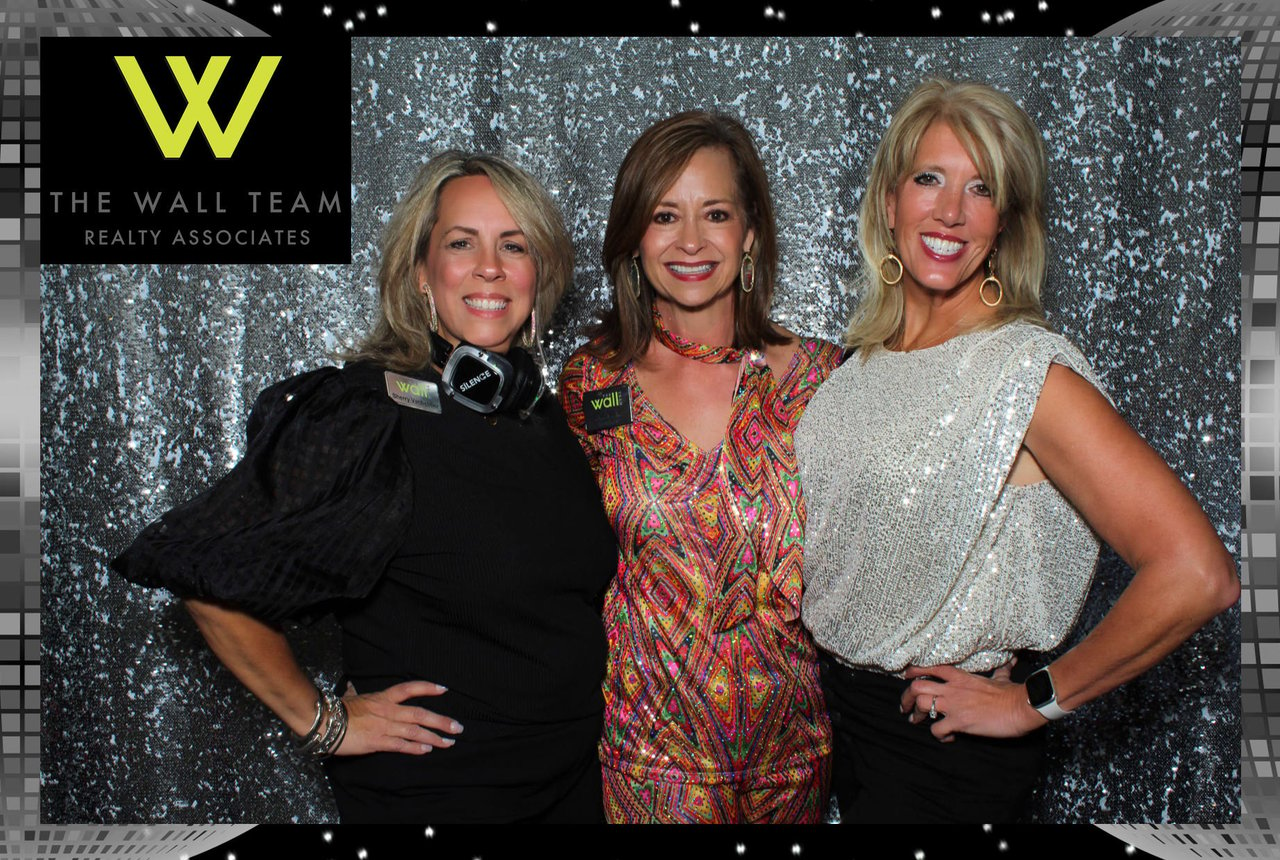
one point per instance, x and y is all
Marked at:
(652, 165)
(400, 339)
(1006, 147)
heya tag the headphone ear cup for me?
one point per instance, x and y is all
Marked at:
(526, 383)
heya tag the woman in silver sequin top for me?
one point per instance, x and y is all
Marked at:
(956, 471)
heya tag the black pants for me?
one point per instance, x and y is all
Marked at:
(581, 803)
(497, 774)
(886, 770)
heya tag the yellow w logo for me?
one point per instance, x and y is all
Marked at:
(173, 141)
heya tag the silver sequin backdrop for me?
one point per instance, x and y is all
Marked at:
(148, 371)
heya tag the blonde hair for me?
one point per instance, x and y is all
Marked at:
(652, 165)
(1006, 147)
(400, 339)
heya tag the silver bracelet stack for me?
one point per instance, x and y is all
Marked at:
(325, 736)
(315, 724)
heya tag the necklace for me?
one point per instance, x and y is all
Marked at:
(688, 349)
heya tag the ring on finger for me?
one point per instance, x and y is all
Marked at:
(933, 708)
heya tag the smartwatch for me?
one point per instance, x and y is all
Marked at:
(1042, 696)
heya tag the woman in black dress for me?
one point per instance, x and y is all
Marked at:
(438, 504)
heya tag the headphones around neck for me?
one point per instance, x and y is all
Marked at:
(486, 381)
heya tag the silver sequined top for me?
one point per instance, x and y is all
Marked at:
(916, 550)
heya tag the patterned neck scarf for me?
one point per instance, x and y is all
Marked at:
(696, 351)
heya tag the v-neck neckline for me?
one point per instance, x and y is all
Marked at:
(641, 400)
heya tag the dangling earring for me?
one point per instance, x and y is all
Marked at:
(431, 304)
(635, 277)
(747, 273)
(991, 279)
(891, 259)
(530, 338)
(534, 348)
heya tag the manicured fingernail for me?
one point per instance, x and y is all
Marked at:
(455, 727)
(447, 742)
(442, 688)
(426, 748)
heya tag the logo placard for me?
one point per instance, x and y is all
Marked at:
(204, 151)
(414, 393)
(606, 407)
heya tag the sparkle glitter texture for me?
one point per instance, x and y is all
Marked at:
(1144, 277)
(916, 551)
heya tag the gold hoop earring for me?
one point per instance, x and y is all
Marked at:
(747, 273)
(431, 305)
(892, 260)
(635, 277)
(991, 279)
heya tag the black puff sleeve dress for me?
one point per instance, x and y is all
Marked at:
(454, 548)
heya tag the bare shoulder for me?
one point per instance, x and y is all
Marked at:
(1074, 424)
(1063, 381)
(1123, 488)
(1105, 469)
(1067, 396)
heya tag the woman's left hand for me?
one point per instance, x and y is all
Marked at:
(992, 707)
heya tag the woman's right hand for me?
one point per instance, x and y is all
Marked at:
(378, 722)
(259, 655)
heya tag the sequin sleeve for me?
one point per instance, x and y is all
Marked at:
(1018, 360)
(312, 513)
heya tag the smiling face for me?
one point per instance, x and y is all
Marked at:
(943, 217)
(478, 266)
(697, 235)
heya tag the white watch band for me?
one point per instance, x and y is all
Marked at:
(1050, 710)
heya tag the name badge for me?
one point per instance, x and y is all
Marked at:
(607, 407)
(414, 393)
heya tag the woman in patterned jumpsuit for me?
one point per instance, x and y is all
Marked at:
(685, 399)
